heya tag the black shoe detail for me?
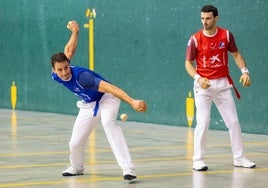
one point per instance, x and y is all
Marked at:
(69, 174)
(205, 168)
(129, 177)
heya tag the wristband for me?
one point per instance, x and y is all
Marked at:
(244, 70)
(196, 77)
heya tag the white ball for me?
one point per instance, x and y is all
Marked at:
(123, 117)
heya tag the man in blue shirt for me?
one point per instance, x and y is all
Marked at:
(100, 100)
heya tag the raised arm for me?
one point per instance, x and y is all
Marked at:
(71, 45)
(138, 105)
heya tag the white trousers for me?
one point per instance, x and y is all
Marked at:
(86, 122)
(220, 93)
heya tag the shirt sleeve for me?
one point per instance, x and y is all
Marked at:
(88, 81)
(232, 45)
(191, 50)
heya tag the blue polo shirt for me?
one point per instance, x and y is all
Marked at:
(84, 83)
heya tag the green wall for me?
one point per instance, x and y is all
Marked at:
(139, 46)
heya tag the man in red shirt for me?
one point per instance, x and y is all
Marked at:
(208, 49)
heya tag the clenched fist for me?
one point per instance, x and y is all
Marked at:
(73, 26)
(204, 82)
(139, 105)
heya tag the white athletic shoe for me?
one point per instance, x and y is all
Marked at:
(71, 171)
(129, 174)
(200, 165)
(243, 162)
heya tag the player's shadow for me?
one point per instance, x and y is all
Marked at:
(132, 183)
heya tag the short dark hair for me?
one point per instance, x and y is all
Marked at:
(58, 57)
(210, 8)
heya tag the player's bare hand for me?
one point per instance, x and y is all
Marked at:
(139, 105)
(204, 83)
(245, 80)
(73, 26)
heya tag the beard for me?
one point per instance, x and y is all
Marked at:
(208, 27)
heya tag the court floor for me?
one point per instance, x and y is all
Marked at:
(34, 151)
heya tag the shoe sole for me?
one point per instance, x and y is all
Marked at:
(68, 174)
(245, 166)
(129, 177)
(205, 168)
